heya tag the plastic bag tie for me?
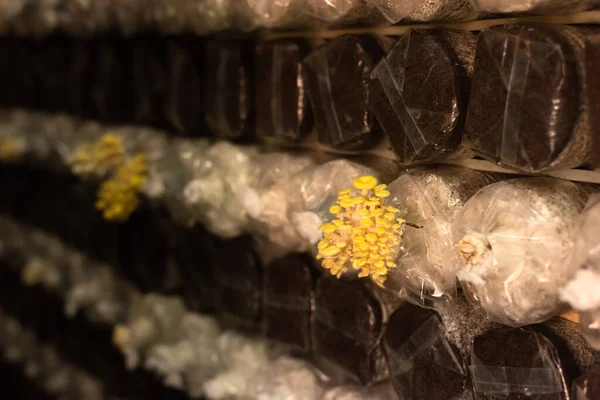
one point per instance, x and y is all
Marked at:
(507, 380)
(393, 91)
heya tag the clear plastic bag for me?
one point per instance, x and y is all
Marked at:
(337, 77)
(185, 16)
(347, 328)
(112, 91)
(430, 198)
(527, 109)
(520, 363)
(582, 291)
(284, 115)
(184, 103)
(238, 276)
(288, 300)
(148, 63)
(285, 378)
(184, 160)
(423, 363)
(514, 241)
(592, 87)
(419, 11)
(587, 387)
(150, 322)
(240, 359)
(213, 195)
(423, 115)
(252, 14)
(291, 212)
(533, 7)
(189, 362)
(34, 136)
(383, 391)
(228, 89)
(338, 13)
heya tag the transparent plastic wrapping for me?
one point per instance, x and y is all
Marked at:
(148, 63)
(81, 78)
(337, 77)
(213, 196)
(514, 241)
(52, 59)
(283, 114)
(103, 297)
(520, 363)
(587, 387)
(423, 115)
(291, 212)
(383, 391)
(238, 283)
(253, 14)
(185, 16)
(571, 344)
(112, 91)
(153, 145)
(184, 160)
(150, 322)
(184, 102)
(84, 18)
(423, 363)
(289, 300)
(430, 198)
(528, 110)
(533, 7)
(592, 86)
(41, 364)
(347, 329)
(192, 360)
(419, 11)
(17, 75)
(194, 252)
(24, 136)
(462, 325)
(240, 359)
(37, 18)
(582, 291)
(228, 89)
(286, 378)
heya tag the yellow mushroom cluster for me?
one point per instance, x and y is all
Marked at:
(365, 233)
(118, 196)
(99, 157)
